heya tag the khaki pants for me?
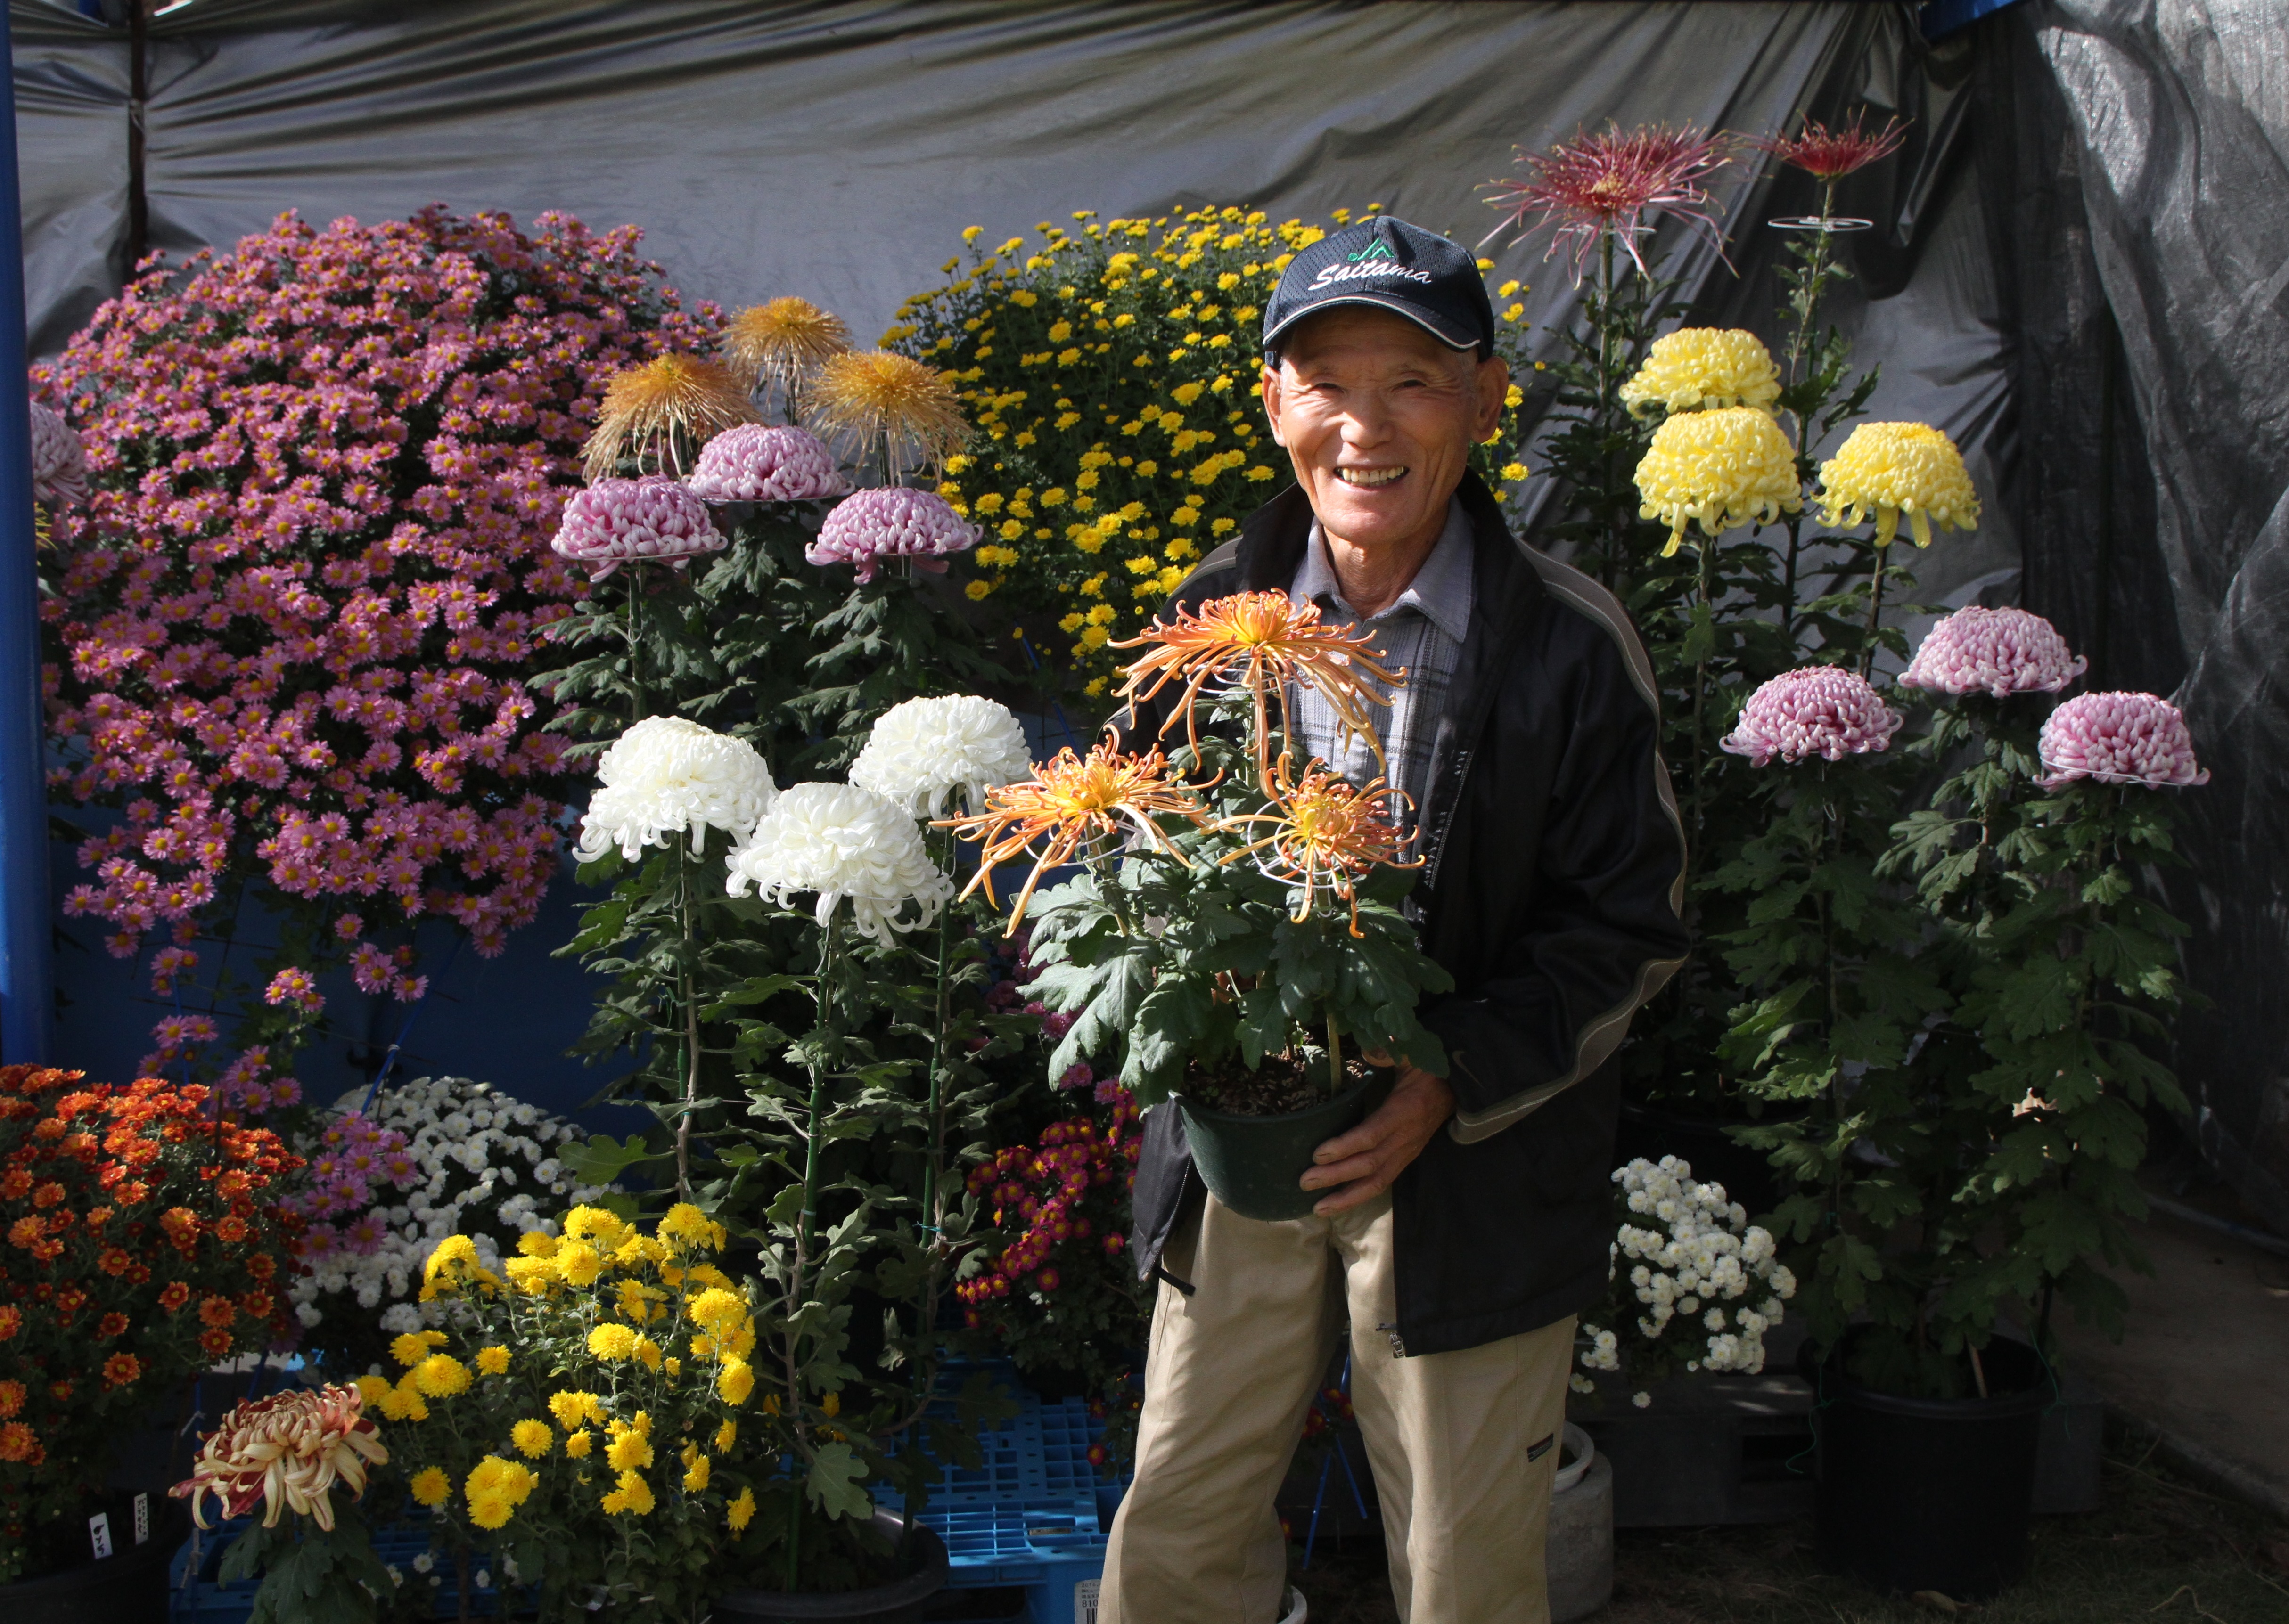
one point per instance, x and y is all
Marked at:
(1233, 1370)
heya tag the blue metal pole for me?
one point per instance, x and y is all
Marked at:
(27, 976)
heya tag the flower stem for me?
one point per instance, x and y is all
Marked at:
(1615, 539)
(1335, 1054)
(812, 1134)
(691, 1028)
(933, 1222)
(1875, 608)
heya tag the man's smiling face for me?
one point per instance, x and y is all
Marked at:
(1378, 418)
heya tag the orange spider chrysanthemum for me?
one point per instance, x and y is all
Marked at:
(1262, 641)
(1070, 807)
(1325, 831)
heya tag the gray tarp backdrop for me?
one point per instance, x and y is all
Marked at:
(2067, 160)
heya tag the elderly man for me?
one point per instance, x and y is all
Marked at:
(1466, 1221)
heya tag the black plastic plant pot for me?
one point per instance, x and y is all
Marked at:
(1931, 1493)
(1252, 1165)
(899, 1602)
(128, 1587)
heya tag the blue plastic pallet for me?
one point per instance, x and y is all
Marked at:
(202, 1598)
(1034, 1513)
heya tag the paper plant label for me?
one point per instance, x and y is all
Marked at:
(99, 1534)
(1085, 1602)
(142, 1518)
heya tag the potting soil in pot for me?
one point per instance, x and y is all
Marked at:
(1253, 1162)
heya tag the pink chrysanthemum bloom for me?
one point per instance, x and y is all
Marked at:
(58, 462)
(1997, 652)
(1609, 182)
(1833, 154)
(759, 462)
(650, 519)
(891, 521)
(2119, 738)
(1813, 711)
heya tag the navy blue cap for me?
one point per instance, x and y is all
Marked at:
(1432, 282)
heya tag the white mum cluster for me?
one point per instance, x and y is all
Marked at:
(925, 751)
(854, 842)
(487, 1167)
(1705, 1266)
(665, 776)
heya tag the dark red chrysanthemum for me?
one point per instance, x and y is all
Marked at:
(1608, 182)
(1833, 154)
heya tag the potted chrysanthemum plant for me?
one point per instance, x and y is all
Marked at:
(1234, 939)
(288, 1452)
(586, 1419)
(146, 1243)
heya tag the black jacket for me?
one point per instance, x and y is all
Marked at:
(1552, 893)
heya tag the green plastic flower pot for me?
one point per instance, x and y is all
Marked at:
(1252, 1163)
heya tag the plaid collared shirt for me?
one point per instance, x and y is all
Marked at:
(1420, 633)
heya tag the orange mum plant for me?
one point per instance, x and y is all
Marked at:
(143, 1244)
(1236, 915)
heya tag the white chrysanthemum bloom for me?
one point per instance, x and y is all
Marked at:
(923, 751)
(846, 844)
(664, 776)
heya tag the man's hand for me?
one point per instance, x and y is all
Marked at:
(1365, 1160)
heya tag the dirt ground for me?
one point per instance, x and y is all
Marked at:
(2158, 1550)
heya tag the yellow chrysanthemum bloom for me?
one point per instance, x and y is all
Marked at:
(441, 1375)
(532, 1276)
(633, 1494)
(535, 1243)
(647, 1352)
(1699, 369)
(596, 1223)
(490, 1510)
(492, 1361)
(371, 1387)
(579, 1263)
(687, 1223)
(431, 1487)
(1718, 469)
(403, 1402)
(578, 1445)
(496, 1488)
(628, 1450)
(726, 1434)
(414, 1346)
(714, 1310)
(612, 1341)
(532, 1438)
(576, 1409)
(1894, 468)
(695, 1477)
(741, 1511)
(736, 1381)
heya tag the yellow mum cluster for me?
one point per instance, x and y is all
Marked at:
(1111, 373)
(1892, 468)
(1718, 469)
(1698, 368)
(1719, 459)
(600, 1369)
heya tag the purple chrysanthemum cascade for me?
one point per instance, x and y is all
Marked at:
(1816, 711)
(58, 462)
(617, 522)
(891, 521)
(1995, 651)
(758, 462)
(2119, 738)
